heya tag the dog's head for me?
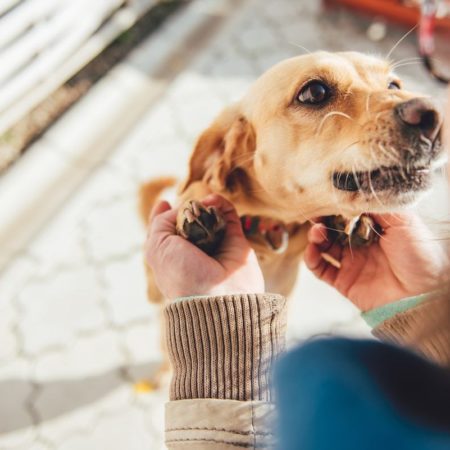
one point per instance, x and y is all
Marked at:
(324, 134)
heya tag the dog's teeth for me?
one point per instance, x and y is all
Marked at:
(351, 225)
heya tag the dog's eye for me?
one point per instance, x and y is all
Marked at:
(314, 93)
(394, 85)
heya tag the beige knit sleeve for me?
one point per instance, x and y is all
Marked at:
(424, 328)
(223, 347)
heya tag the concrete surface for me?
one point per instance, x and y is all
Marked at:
(75, 328)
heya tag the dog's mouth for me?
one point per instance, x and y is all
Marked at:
(396, 179)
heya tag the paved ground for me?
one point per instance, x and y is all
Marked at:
(75, 327)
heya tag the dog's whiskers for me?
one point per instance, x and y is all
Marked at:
(299, 46)
(368, 102)
(389, 156)
(395, 64)
(330, 114)
(425, 140)
(355, 176)
(411, 63)
(400, 41)
(372, 190)
(333, 190)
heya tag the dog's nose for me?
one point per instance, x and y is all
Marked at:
(420, 114)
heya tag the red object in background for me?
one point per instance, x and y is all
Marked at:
(392, 10)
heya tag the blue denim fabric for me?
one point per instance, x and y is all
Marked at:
(341, 394)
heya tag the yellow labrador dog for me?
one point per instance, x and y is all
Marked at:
(316, 135)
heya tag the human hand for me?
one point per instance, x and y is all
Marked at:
(406, 261)
(181, 269)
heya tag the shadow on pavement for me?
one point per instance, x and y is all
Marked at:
(58, 397)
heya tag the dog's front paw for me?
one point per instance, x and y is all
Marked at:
(357, 232)
(203, 226)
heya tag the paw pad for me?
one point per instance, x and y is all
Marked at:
(203, 226)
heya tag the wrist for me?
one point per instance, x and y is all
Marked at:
(221, 290)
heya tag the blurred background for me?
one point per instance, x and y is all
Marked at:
(96, 97)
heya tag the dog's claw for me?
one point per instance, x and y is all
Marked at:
(357, 232)
(203, 226)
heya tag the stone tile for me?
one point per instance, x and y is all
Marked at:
(143, 136)
(154, 416)
(78, 379)
(15, 277)
(257, 37)
(125, 290)
(58, 307)
(60, 245)
(290, 11)
(85, 322)
(34, 446)
(144, 343)
(16, 422)
(265, 60)
(113, 228)
(8, 320)
(77, 384)
(194, 116)
(172, 155)
(125, 429)
(111, 180)
(23, 212)
(81, 421)
(98, 356)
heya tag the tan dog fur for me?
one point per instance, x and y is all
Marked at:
(273, 157)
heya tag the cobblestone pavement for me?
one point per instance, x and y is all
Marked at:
(75, 328)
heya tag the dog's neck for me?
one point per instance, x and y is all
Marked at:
(250, 198)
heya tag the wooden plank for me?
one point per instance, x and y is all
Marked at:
(20, 52)
(52, 57)
(6, 5)
(24, 16)
(118, 23)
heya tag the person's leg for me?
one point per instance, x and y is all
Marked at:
(339, 394)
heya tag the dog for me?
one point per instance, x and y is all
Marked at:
(316, 135)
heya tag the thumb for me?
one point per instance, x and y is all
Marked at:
(158, 208)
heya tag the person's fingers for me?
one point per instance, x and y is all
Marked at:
(318, 266)
(328, 274)
(317, 234)
(314, 254)
(312, 257)
(164, 222)
(158, 208)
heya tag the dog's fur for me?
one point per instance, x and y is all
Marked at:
(272, 156)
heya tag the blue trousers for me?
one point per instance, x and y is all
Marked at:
(341, 394)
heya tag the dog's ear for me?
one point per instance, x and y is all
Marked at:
(224, 148)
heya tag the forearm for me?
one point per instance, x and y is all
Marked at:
(222, 350)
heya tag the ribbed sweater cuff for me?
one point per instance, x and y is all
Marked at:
(223, 347)
(424, 328)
